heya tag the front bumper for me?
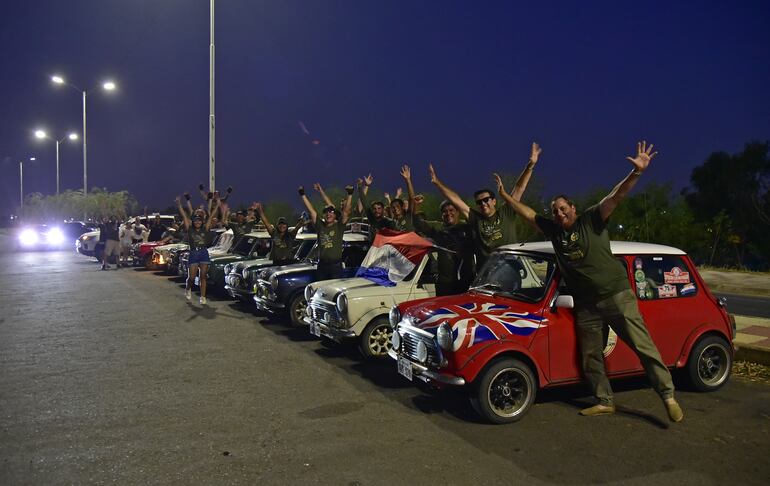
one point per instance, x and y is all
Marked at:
(334, 333)
(428, 375)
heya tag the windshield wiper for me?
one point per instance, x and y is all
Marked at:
(488, 286)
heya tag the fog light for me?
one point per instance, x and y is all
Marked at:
(395, 340)
(422, 352)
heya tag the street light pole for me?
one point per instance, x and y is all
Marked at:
(41, 134)
(212, 125)
(21, 184)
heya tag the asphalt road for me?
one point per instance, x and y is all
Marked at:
(747, 305)
(112, 377)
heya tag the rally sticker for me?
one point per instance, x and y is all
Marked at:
(665, 291)
(687, 289)
(638, 263)
(612, 341)
(676, 276)
(639, 276)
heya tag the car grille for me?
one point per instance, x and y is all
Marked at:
(409, 340)
(324, 312)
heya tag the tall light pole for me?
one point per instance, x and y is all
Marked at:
(21, 182)
(212, 125)
(41, 134)
(107, 86)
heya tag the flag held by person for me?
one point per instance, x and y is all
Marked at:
(393, 256)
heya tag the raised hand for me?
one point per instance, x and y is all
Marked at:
(256, 206)
(368, 180)
(432, 172)
(499, 182)
(406, 173)
(386, 195)
(317, 187)
(535, 153)
(360, 182)
(418, 199)
(644, 155)
(178, 201)
(399, 192)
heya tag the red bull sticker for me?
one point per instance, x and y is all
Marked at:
(666, 291)
(676, 276)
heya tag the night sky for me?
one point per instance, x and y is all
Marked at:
(322, 90)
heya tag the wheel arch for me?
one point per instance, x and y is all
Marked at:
(493, 354)
(701, 332)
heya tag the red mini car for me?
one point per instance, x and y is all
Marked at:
(513, 332)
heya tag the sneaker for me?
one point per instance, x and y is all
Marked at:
(675, 413)
(598, 410)
(105, 267)
(188, 294)
(203, 300)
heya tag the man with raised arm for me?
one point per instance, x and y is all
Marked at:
(492, 226)
(281, 252)
(375, 212)
(330, 231)
(402, 213)
(199, 237)
(600, 287)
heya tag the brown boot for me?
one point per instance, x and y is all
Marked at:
(598, 410)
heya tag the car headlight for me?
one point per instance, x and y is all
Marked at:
(28, 237)
(422, 352)
(228, 267)
(54, 236)
(342, 303)
(245, 274)
(444, 336)
(395, 340)
(274, 282)
(308, 293)
(394, 316)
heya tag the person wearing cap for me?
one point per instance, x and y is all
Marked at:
(492, 226)
(199, 237)
(330, 231)
(240, 226)
(600, 287)
(375, 212)
(282, 249)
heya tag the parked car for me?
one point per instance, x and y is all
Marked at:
(88, 243)
(282, 289)
(357, 308)
(241, 277)
(162, 256)
(513, 333)
(252, 245)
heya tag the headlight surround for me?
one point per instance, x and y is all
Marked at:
(444, 336)
(274, 282)
(228, 268)
(395, 340)
(245, 274)
(394, 316)
(342, 303)
(308, 293)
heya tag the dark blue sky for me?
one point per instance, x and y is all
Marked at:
(467, 85)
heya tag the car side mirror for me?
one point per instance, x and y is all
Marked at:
(564, 302)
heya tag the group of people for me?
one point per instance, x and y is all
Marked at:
(119, 234)
(600, 287)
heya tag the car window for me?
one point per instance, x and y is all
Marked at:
(524, 277)
(662, 277)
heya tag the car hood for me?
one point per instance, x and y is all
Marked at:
(252, 264)
(476, 317)
(289, 269)
(360, 288)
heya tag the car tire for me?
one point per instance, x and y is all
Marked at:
(709, 364)
(504, 391)
(374, 341)
(297, 307)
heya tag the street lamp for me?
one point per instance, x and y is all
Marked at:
(41, 135)
(21, 181)
(107, 86)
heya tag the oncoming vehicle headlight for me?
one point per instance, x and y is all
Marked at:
(394, 316)
(444, 336)
(54, 236)
(274, 282)
(422, 352)
(342, 303)
(28, 237)
(308, 293)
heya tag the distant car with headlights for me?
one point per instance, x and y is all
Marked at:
(357, 309)
(42, 237)
(241, 277)
(282, 289)
(513, 333)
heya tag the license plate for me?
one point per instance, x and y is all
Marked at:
(315, 329)
(405, 368)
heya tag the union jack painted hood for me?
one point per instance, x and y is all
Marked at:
(476, 318)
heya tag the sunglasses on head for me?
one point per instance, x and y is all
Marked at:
(484, 200)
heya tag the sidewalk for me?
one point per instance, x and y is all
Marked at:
(752, 339)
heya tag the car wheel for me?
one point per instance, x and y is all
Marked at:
(374, 341)
(297, 308)
(709, 364)
(504, 391)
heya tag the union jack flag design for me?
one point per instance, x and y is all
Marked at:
(473, 323)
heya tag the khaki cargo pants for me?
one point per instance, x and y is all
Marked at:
(621, 313)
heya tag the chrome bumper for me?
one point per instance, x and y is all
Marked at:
(427, 375)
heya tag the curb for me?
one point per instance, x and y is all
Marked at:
(755, 354)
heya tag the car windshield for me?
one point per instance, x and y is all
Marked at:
(312, 255)
(304, 248)
(521, 276)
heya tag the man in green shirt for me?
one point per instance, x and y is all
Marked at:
(600, 287)
(282, 250)
(492, 226)
(240, 226)
(375, 212)
(330, 231)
